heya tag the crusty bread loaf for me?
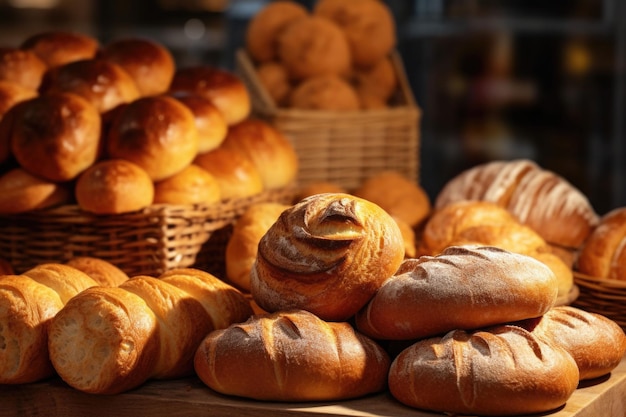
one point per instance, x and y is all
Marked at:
(291, 356)
(21, 67)
(59, 47)
(327, 254)
(27, 304)
(105, 273)
(110, 339)
(192, 185)
(504, 371)
(462, 288)
(21, 192)
(210, 122)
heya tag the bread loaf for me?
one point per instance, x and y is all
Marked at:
(327, 254)
(504, 371)
(108, 340)
(291, 356)
(462, 288)
(105, 273)
(60, 47)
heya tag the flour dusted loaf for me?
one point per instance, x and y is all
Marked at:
(291, 356)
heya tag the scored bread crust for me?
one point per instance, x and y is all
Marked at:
(604, 252)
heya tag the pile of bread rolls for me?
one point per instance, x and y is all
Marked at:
(335, 57)
(118, 127)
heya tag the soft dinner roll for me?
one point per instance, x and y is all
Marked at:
(21, 67)
(55, 136)
(21, 191)
(275, 78)
(210, 122)
(59, 47)
(157, 133)
(324, 92)
(192, 185)
(10, 95)
(103, 272)
(114, 186)
(378, 81)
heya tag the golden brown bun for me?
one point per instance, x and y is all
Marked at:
(10, 95)
(465, 287)
(210, 122)
(103, 272)
(265, 27)
(564, 274)
(21, 192)
(377, 81)
(297, 356)
(149, 63)
(324, 92)
(596, 342)
(114, 186)
(108, 340)
(538, 198)
(21, 67)
(237, 176)
(103, 83)
(398, 195)
(275, 78)
(319, 187)
(603, 255)
(157, 133)
(242, 245)
(368, 25)
(311, 46)
(55, 136)
(27, 304)
(504, 371)
(269, 150)
(56, 48)
(370, 102)
(327, 254)
(192, 185)
(223, 88)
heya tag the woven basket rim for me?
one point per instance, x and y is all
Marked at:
(609, 283)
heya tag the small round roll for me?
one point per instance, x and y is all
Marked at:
(114, 186)
(210, 122)
(274, 77)
(192, 185)
(103, 272)
(60, 47)
(21, 67)
(10, 95)
(324, 92)
(21, 192)
(378, 81)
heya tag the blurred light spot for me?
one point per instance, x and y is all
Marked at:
(194, 29)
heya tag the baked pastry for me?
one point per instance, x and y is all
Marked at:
(222, 87)
(21, 67)
(192, 185)
(267, 24)
(102, 271)
(10, 95)
(464, 287)
(210, 122)
(242, 245)
(311, 46)
(27, 304)
(500, 372)
(603, 255)
(267, 148)
(291, 356)
(324, 92)
(60, 47)
(149, 63)
(327, 254)
(55, 136)
(22, 192)
(114, 186)
(157, 133)
(107, 340)
(275, 78)
(376, 81)
(368, 25)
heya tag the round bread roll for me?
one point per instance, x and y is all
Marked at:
(327, 254)
(149, 63)
(603, 255)
(291, 356)
(370, 102)
(324, 92)
(266, 25)
(192, 185)
(157, 133)
(59, 47)
(242, 245)
(55, 136)
(368, 25)
(21, 192)
(235, 173)
(501, 372)
(465, 287)
(310, 46)
(275, 78)
(103, 83)
(10, 95)
(398, 195)
(268, 149)
(378, 81)
(114, 186)
(223, 88)
(21, 67)
(103, 272)
(210, 122)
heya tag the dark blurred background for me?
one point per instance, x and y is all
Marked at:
(496, 79)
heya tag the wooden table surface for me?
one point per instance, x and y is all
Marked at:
(605, 397)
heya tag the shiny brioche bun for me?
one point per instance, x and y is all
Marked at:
(10, 95)
(21, 67)
(21, 192)
(192, 185)
(59, 47)
(210, 122)
(325, 92)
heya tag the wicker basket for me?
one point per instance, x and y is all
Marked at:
(603, 296)
(344, 147)
(149, 242)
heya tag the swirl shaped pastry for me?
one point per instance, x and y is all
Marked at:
(327, 254)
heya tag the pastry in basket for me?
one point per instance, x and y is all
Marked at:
(21, 67)
(210, 122)
(21, 192)
(503, 371)
(327, 254)
(192, 185)
(377, 81)
(107, 340)
(274, 77)
(291, 356)
(324, 92)
(103, 272)
(59, 47)
(10, 95)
